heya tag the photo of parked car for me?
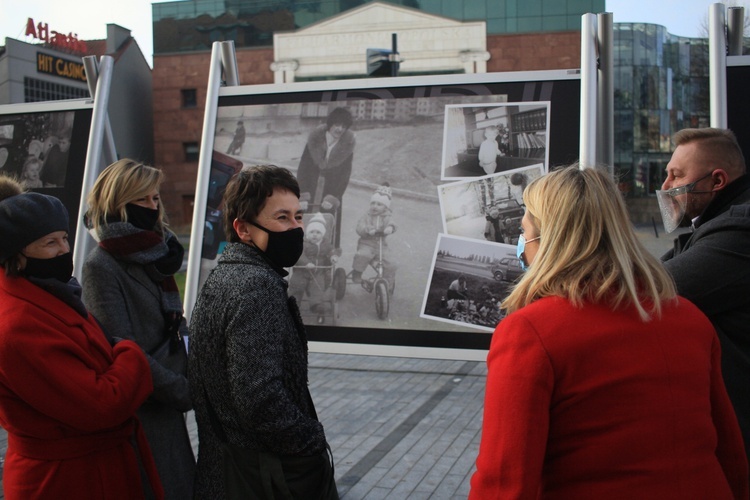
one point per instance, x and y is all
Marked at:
(507, 269)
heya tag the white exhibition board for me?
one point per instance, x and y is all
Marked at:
(421, 136)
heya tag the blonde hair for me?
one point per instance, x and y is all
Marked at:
(588, 250)
(31, 160)
(121, 183)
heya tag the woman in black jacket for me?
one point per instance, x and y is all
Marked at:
(248, 353)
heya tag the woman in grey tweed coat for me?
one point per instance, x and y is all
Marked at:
(248, 351)
(128, 285)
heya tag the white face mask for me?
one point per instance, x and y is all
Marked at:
(673, 203)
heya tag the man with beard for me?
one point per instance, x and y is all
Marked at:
(707, 189)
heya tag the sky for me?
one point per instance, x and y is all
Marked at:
(89, 18)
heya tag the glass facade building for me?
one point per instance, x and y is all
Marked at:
(661, 86)
(193, 25)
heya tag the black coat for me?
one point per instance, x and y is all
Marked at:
(711, 267)
(248, 354)
(322, 174)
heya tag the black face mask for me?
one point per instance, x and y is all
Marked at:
(142, 217)
(284, 247)
(59, 268)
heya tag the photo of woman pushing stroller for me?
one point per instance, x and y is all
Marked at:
(324, 172)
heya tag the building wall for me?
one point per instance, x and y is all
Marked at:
(534, 51)
(131, 99)
(176, 126)
(188, 25)
(427, 44)
(5, 83)
(19, 61)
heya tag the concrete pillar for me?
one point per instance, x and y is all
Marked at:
(474, 61)
(283, 71)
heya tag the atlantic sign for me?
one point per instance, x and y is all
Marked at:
(53, 65)
(56, 39)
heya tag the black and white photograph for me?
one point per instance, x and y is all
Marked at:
(468, 281)
(35, 147)
(43, 145)
(367, 168)
(370, 164)
(485, 139)
(487, 208)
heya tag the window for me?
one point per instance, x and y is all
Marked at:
(192, 150)
(656, 174)
(189, 98)
(39, 90)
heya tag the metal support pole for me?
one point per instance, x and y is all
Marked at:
(229, 64)
(717, 65)
(587, 153)
(605, 141)
(201, 186)
(393, 58)
(84, 242)
(735, 29)
(91, 65)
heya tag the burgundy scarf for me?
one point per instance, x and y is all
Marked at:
(161, 257)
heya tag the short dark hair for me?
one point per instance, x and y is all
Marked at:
(247, 192)
(339, 115)
(719, 144)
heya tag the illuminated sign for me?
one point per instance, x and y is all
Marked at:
(69, 42)
(56, 66)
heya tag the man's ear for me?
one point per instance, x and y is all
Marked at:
(720, 179)
(242, 228)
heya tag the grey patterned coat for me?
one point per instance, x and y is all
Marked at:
(248, 353)
(128, 305)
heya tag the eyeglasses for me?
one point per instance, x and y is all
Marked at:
(687, 188)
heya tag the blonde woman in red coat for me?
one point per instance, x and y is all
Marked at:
(602, 383)
(67, 397)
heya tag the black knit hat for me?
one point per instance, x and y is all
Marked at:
(25, 218)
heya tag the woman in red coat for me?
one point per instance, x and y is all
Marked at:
(602, 383)
(67, 397)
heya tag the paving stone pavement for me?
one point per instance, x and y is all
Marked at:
(399, 428)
